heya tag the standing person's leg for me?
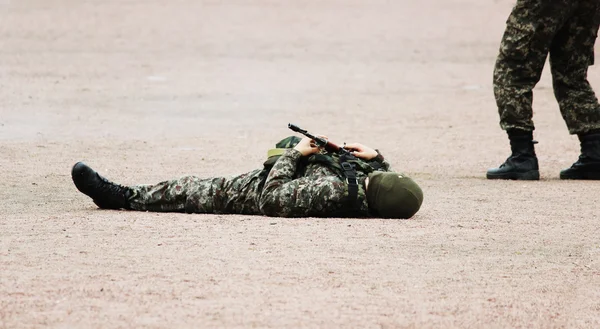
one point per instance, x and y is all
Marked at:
(530, 29)
(571, 53)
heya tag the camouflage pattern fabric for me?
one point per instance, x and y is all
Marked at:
(218, 195)
(320, 191)
(565, 29)
(288, 142)
(314, 191)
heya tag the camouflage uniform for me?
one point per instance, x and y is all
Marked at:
(293, 187)
(567, 30)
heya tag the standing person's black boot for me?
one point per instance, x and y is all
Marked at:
(106, 194)
(522, 164)
(588, 164)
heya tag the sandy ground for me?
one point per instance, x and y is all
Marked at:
(150, 90)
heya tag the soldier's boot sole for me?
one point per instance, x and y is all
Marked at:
(577, 174)
(528, 175)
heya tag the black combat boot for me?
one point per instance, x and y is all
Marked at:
(522, 164)
(106, 195)
(588, 164)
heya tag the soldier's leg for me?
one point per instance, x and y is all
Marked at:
(219, 195)
(571, 53)
(524, 48)
(233, 194)
(523, 51)
(175, 195)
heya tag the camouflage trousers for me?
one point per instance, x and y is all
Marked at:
(565, 29)
(218, 195)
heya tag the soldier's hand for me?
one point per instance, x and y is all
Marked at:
(306, 146)
(361, 151)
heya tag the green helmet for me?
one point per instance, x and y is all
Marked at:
(393, 195)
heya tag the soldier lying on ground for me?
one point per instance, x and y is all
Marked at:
(303, 181)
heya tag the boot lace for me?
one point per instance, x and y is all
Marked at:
(112, 188)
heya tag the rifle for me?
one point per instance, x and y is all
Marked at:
(320, 141)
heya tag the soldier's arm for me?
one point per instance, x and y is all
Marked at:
(381, 161)
(370, 155)
(284, 196)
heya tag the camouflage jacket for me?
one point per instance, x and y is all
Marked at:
(317, 190)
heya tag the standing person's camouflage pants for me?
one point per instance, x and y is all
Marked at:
(567, 29)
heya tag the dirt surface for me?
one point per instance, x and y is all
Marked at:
(150, 90)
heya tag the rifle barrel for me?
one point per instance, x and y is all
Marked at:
(318, 140)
